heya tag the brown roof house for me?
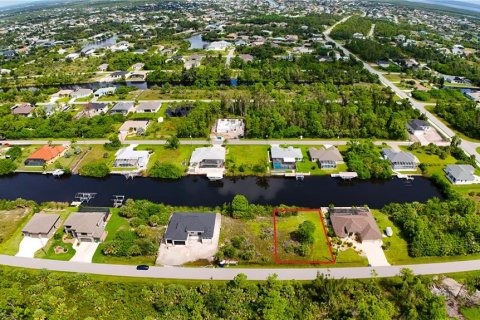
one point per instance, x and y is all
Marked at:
(327, 158)
(87, 226)
(42, 225)
(354, 221)
(44, 155)
(23, 109)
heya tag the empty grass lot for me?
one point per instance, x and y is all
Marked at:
(11, 225)
(98, 154)
(286, 227)
(243, 159)
(179, 157)
(434, 163)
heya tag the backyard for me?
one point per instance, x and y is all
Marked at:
(287, 239)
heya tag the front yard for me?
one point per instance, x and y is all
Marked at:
(11, 225)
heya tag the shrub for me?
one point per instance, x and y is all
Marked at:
(165, 171)
(97, 170)
(305, 232)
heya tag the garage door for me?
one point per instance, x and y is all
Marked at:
(85, 240)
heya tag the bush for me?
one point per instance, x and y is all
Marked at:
(7, 166)
(97, 170)
(165, 171)
(421, 95)
(240, 207)
(305, 232)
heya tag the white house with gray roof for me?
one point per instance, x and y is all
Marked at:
(123, 107)
(461, 174)
(401, 161)
(327, 158)
(87, 226)
(209, 161)
(417, 126)
(285, 158)
(42, 225)
(149, 106)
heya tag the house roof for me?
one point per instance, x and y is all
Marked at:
(47, 152)
(325, 154)
(87, 222)
(41, 223)
(208, 153)
(129, 153)
(399, 156)
(96, 106)
(123, 106)
(106, 90)
(183, 222)
(148, 105)
(463, 172)
(278, 152)
(24, 108)
(354, 220)
(83, 92)
(417, 124)
(133, 124)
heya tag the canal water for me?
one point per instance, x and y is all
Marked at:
(197, 42)
(198, 191)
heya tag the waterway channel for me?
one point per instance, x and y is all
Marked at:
(198, 191)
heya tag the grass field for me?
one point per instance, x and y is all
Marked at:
(11, 224)
(98, 154)
(285, 230)
(434, 163)
(179, 157)
(242, 160)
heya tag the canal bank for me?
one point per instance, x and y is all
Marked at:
(314, 191)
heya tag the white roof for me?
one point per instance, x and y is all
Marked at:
(227, 125)
(287, 154)
(209, 153)
(127, 125)
(129, 153)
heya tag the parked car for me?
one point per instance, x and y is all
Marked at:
(143, 267)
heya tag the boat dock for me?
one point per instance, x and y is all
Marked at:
(344, 175)
(404, 176)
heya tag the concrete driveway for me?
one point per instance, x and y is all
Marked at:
(374, 252)
(84, 251)
(29, 246)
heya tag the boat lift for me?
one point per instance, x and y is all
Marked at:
(118, 200)
(82, 197)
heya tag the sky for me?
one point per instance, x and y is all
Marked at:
(5, 3)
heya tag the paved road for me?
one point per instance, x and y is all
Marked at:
(230, 273)
(203, 142)
(468, 146)
(230, 55)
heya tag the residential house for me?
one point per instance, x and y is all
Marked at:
(44, 155)
(457, 80)
(209, 161)
(48, 108)
(461, 174)
(148, 107)
(458, 50)
(105, 92)
(87, 225)
(474, 95)
(103, 67)
(383, 64)
(117, 75)
(42, 225)
(285, 158)
(229, 128)
(417, 126)
(129, 157)
(348, 222)
(327, 158)
(123, 107)
(23, 109)
(62, 94)
(218, 46)
(400, 160)
(129, 127)
(246, 58)
(82, 93)
(138, 66)
(185, 227)
(93, 109)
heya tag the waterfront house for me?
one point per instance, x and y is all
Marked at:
(62, 94)
(103, 67)
(148, 107)
(22, 109)
(105, 92)
(87, 225)
(42, 225)
(44, 155)
(138, 66)
(218, 46)
(130, 158)
(285, 158)
(123, 108)
(94, 108)
(327, 158)
(461, 174)
(400, 160)
(82, 93)
(209, 161)
(349, 222)
(117, 75)
(185, 227)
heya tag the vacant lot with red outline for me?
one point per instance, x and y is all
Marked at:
(320, 234)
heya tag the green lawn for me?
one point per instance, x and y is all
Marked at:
(350, 258)
(86, 99)
(11, 225)
(163, 154)
(472, 313)
(98, 154)
(115, 224)
(242, 159)
(397, 249)
(309, 166)
(433, 162)
(69, 162)
(286, 226)
(48, 252)
(393, 77)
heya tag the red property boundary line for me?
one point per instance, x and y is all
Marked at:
(280, 261)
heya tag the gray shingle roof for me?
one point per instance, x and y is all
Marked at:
(399, 156)
(354, 220)
(208, 153)
(41, 223)
(322, 154)
(278, 152)
(87, 222)
(463, 172)
(183, 222)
